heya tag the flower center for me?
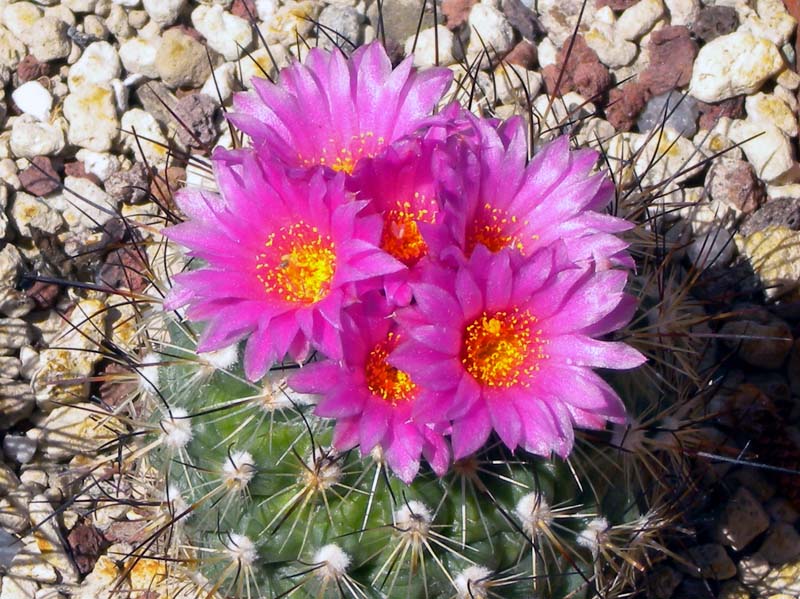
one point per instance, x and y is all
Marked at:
(492, 228)
(384, 380)
(401, 237)
(344, 157)
(298, 265)
(501, 349)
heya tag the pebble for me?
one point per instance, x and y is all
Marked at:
(9, 370)
(29, 69)
(51, 41)
(767, 148)
(29, 211)
(769, 109)
(425, 52)
(522, 19)
(523, 54)
(40, 178)
(12, 50)
(21, 18)
(33, 98)
(196, 115)
(18, 588)
(711, 114)
(143, 124)
(760, 344)
(625, 104)
(99, 164)
(640, 18)
(456, 12)
(770, 20)
(30, 138)
(16, 404)
(709, 561)
(224, 32)
(48, 539)
(734, 64)
(19, 448)
(712, 248)
(672, 110)
(612, 50)
(138, 55)
(340, 27)
(73, 430)
(80, 214)
(98, 65)
(742, 520)
(615, 4)
(782, 210)
(9, 547)
(779, 508)
(489, 28)
(128, 185)
(672, 53)
(164, 12)
(256, 64)
(219, 86)
(782, 544)
(400, 18)
(774, 255)
(117, 23)
(181, 61)
(92, 114)
(734, 182)
(13, 302)
(583, 73)
(665, 156)
(683, 12)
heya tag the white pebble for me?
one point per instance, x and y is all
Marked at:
(732, 65)
(769, 151)
(426, 47)
(30, 138)
(683, 12)
(19, 448)
(92, 114)
(639, 19)
(98, 64)
(33, 98)
(489, 29)
(164, 12)
(225, 32)
(138, 55)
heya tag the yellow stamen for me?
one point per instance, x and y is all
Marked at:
(298, 265)
(343, 158)
(493, 228)
(502, 349)
(384, 380)
(401, 237)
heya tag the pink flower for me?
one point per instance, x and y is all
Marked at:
(403, 185)
(528, 206)
(281, 259)
(331, 111)
(372, 400)
(512, 343)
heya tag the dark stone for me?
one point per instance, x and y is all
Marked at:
(77, 169)
(615, 4)
(714, 21)
(776, 212)
(124, 268)
(196, 117)
(710, 113)
(624, 105)
(583, 72)
(40, 178)
(672, 53)
(523, 54)
(158, 100)
(163, 185)
(735, 183)
(401, 17)
(86, 544)
(126, 531)
(30, 69)
(43, 294)
(523, 19)
(130, 185)
(116, 387)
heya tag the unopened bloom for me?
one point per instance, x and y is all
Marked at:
(281, 258)
(332, 111)
(527, 206)
(371, 399)
(512, 343)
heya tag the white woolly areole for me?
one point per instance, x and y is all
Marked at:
(471, 583)
(176, 429)
(324, 469)
(590, 537)
(241, 549)
(238, 470)
(221, 359)
(534, 513)
(148, 373)
(333, 561)
(413, 518)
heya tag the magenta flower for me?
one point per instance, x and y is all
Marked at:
(403, 184)
(512, 343)
(372, 400)
(281, 260)
(529, 206)
(332, 112)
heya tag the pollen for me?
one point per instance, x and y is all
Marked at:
(502, 349)
(493, 227)
(298, 264)
(401, 237)
(343, 158)
(384, 380)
